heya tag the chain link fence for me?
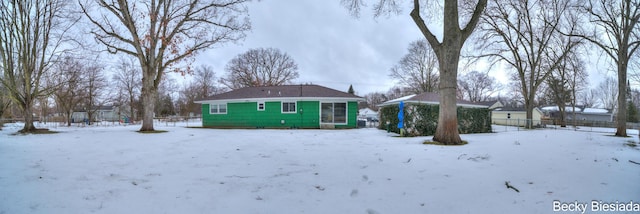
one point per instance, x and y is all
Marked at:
(504, 125)
(18, 123)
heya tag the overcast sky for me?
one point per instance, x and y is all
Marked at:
(331, 47)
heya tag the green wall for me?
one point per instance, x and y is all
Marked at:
(246, 115)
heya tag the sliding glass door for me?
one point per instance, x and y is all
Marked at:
(333, 113)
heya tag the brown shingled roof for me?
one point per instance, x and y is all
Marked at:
(284, 91)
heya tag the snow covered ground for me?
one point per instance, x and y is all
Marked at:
(113, 169)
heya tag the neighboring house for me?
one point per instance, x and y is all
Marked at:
(581, 114)
(367, 113)
(492, 104)
(79, 116)
(593, 114)
(287, 106)
(102, 113)
(515, 116)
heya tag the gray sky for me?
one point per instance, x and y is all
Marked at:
(334, 49)
(331, 47)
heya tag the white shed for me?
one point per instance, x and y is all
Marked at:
(515, 116)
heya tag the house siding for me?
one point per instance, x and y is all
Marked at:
(518, 118)
(246, 115)
(603, 117)
(352, 116)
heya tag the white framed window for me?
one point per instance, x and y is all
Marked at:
(260, 106)
(289, 107)
(219, 108)
(222, 108)
(333, 113)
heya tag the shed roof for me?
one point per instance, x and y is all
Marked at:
(515, 109)
(282, 91)
(430, 98)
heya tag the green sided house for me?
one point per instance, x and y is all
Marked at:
(286, 106)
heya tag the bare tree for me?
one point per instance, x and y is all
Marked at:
(615, 32)
(634, 69)
(418, 69)
(578, 82)
(587, 98)
(260, 67)
(607, 93)
(32, 35)
(4, 102)
(202, 85)
(634, 97)
(205, 81)
(373, 99)
(397, 92)
(477, 86)
(94, 85)
(447, 52)
(165, 105)
(524, 34)
(161, 34)
(127, 80)
(69, 93)
(188, 94)
(566, 80)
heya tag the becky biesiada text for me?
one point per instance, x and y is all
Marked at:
(599, 206)
(596, 206)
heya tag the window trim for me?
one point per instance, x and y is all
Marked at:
(217, 108)
(263, 105)
(295, 107)
(346, 111)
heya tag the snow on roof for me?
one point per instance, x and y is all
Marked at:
(366, 111)
(430, 98)
(595, 110)
(555, 108)
(401, 98)
(578, 109)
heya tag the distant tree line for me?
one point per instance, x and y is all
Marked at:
(82, 84)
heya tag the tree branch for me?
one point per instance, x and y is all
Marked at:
(433, 41)
(475, 18)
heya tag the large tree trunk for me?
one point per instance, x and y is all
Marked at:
(448, 53)
(621, 123)
(28, 119)
(68, 115)
(90, 115)
(447, 128)
(149, 96)
(529, 106)
(148, 105)
(562, 112)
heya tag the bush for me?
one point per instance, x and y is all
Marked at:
(422, 119)
(389, 114)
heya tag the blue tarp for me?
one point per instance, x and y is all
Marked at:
(401, 115)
